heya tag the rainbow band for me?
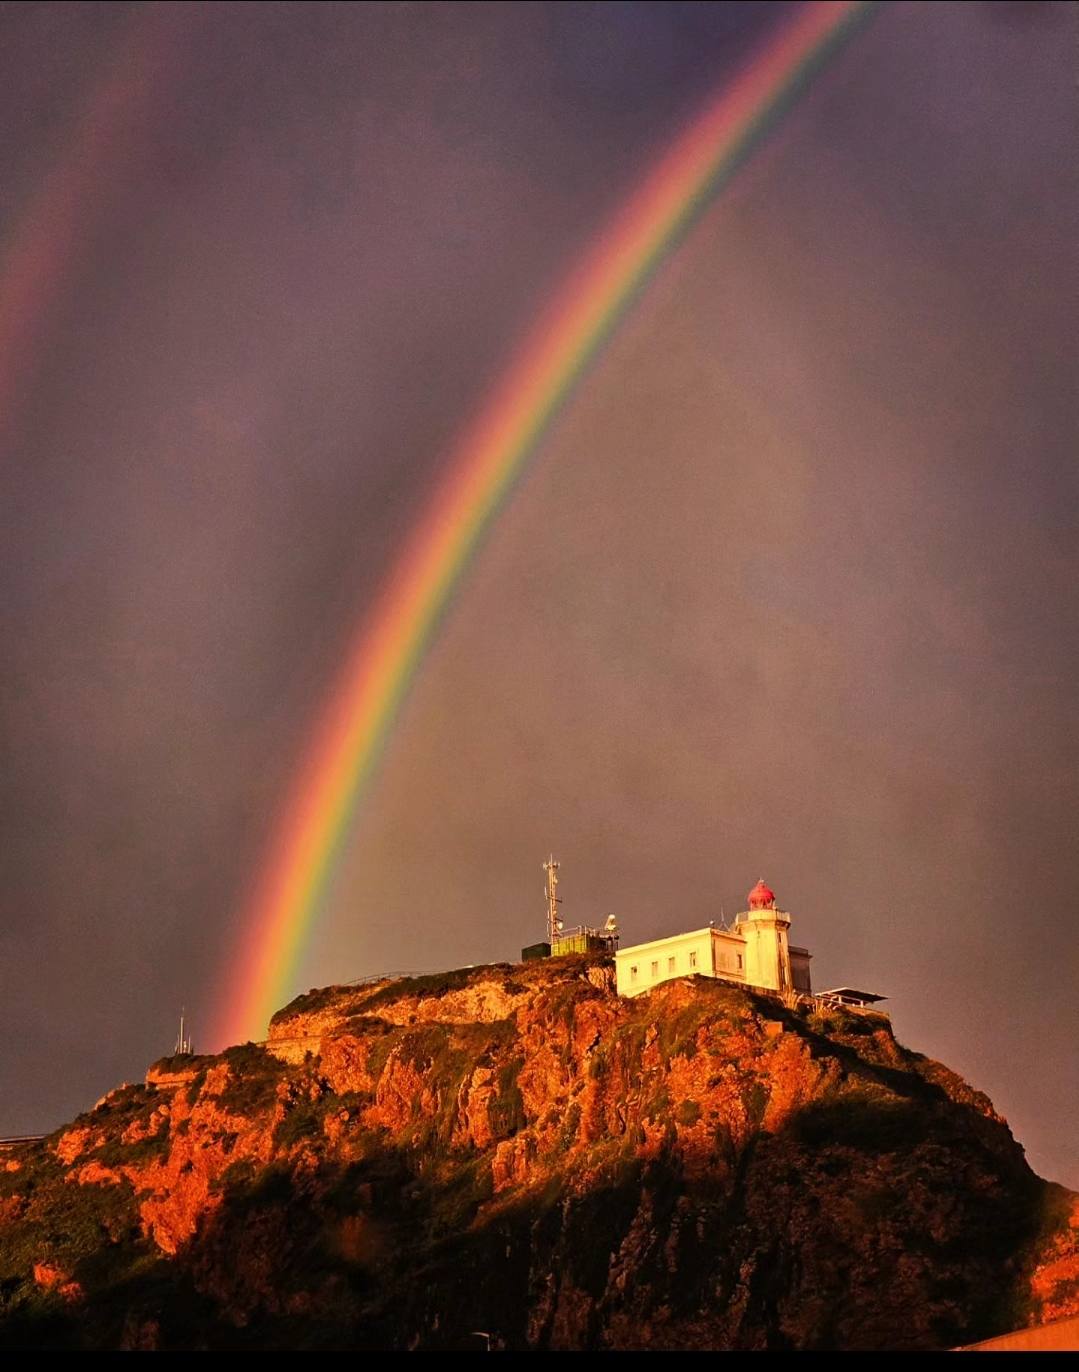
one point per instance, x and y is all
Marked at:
(480, 473)
(43, 248)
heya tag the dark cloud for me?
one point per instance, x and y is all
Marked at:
(789, 590)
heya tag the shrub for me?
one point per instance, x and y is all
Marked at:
(253, 1077)
(678, 1032)
(755, 1101)
(867, 1123)
(195, 1087)
(237, 1174)
(182, 1062)
(434, 986)
(570, 1126)
(303, 1121)
(687, 1113)
(115, 1153)
(318, 998)
(506, 1110)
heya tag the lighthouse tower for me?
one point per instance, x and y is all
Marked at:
(765, 928)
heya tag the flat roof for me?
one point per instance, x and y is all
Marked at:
(675, 938)
(851, 991)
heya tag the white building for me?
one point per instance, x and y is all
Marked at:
(754, 951)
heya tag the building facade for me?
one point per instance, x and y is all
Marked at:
(754, 951)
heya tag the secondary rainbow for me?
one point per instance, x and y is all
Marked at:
(480, 473)
(41, 249)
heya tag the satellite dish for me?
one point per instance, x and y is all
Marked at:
(559, 925)
(612, 924)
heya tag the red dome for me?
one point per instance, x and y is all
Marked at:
(761, 897)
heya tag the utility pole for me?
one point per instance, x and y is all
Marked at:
(554, 924)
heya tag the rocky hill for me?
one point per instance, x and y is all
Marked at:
(516, 1150)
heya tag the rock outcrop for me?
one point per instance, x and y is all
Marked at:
(519, 1151)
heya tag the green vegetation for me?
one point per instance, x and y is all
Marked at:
(453, 1197)
(121, 1107)
(366, 1026)
(128, 1106)
(678, 1032)
(755, 1101)
(181, 1063)
(557, 1004)
(687, 1112)
(302, 1121)
(571, 1125)
(869, 1123)
(236, 1175)
(657, 1107)
(506, 1110)
(87, 1234)
(153, 1148)
(431, 987)
(378, 1053)
(425, 1046)
(362, 1237)
(195, 1087)
(318, 998)
(253, 1078)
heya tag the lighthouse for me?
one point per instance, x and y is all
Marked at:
(754, 951)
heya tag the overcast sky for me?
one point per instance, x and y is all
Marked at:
(790, 590)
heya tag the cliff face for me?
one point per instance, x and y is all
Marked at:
(517, 1150)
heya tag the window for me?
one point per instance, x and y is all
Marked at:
(739, 962)
(693, 959)
(633, 974)
(655, 969)
(670, 964)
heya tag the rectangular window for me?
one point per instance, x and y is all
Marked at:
(670, 964)
(655, 969)
(693, 959)
(633, 974)
(739, 962)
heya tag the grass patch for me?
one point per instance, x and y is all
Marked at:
(303, 1121)
(431, 987)
(452, 1205)
(311, 1002)
(195, 1087)
(506, 1110)
(678, 1032)
(179, 1063)
(121, 1107)
(866, 1123)
(366, 1026)
(687, 1113)
(570, 1127)
(755, 1102)
(236, 1175)
(120, 1110)
(253, 1077)
(658, 1108)
(153, 1148)
(378, 1054)
(83, 1231)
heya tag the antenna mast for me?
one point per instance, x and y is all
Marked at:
(554, 924)
(183, 1044)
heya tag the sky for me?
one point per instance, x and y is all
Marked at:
(788, 591)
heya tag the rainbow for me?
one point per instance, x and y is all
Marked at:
(43, 248)
(480, 473)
